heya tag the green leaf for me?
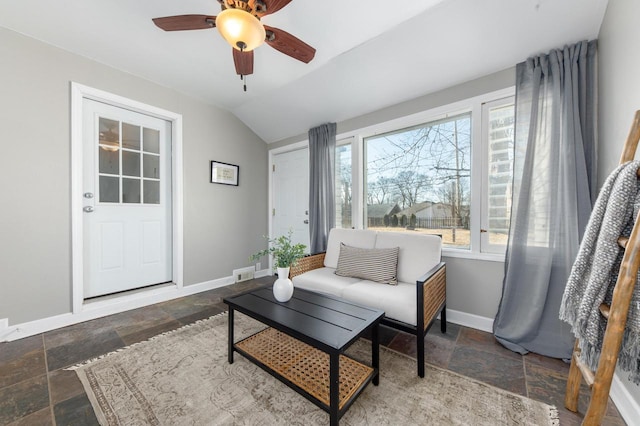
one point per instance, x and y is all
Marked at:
(285, 253)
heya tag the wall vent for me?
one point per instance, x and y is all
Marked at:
(244, 274)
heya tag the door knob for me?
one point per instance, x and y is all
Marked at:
(88, 209)
(306, 221)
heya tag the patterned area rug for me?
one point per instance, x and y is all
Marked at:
(183, 377)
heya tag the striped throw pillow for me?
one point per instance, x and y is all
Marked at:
(379, 265)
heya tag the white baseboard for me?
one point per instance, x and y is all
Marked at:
(625, 403)
(101, 308)
(470, 320)
(263, 273)
(98, 309)
(4, 325)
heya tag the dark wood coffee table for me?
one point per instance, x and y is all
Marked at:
(305, 343)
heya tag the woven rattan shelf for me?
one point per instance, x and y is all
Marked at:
(304, 365)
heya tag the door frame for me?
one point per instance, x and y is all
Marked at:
(79, 93)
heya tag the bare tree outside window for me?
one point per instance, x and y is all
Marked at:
(423, 173)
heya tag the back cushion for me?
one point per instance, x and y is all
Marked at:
(376, 264)
(362, 238)
(418, 252)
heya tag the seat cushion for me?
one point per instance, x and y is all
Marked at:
(379, 265)
(323, 280)
(398, 302)
(418, 252)
(362, 238)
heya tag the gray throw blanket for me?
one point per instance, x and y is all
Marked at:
(596, 268)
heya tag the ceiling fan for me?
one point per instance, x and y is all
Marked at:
(239, 23)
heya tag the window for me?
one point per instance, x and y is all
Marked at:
(498, 132)
(418, 179)
(343, 185)
(446, 171)
(129, 163)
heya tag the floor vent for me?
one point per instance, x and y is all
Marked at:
(244, 274)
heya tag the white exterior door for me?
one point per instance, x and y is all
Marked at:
(291, 195)
(127, 223)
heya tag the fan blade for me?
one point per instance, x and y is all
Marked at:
(274, 6)
(289, 45)
(243, 62)
(185, 22)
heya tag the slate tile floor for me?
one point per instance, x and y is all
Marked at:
(36, 390)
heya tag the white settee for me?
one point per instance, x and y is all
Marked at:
(412, 305)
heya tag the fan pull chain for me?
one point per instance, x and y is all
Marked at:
(244, 78)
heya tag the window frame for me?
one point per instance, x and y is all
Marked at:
(479, 166)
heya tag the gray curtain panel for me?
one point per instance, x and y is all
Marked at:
(553, 193)
(322, 212)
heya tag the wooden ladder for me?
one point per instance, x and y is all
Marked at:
(616, 315)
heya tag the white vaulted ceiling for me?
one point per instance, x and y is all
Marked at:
(370, 54)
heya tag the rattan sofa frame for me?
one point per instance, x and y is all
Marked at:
(431, 297)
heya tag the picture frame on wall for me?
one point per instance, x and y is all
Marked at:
(224, 173)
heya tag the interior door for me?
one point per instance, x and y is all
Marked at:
(126, 200)
(291, 195)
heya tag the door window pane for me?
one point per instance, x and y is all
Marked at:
(109, 189)
(151, 192)
(130, 163)
(130, 190)
(109, 160)
(343, 186)
(151, 166)
(109, 133)
(418, 180)
(130, 136)
(126, 163)
(151, 140)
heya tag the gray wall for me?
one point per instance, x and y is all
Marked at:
(223, 225)
(619, 91)
(473, 286)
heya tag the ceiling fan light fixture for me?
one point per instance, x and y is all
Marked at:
(241, 29)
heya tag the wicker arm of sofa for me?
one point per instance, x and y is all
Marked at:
(432, 299)
(307, 263)
(433, 286)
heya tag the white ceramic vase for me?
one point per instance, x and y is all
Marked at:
(283, 287)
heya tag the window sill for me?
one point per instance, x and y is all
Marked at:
(466, 254)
